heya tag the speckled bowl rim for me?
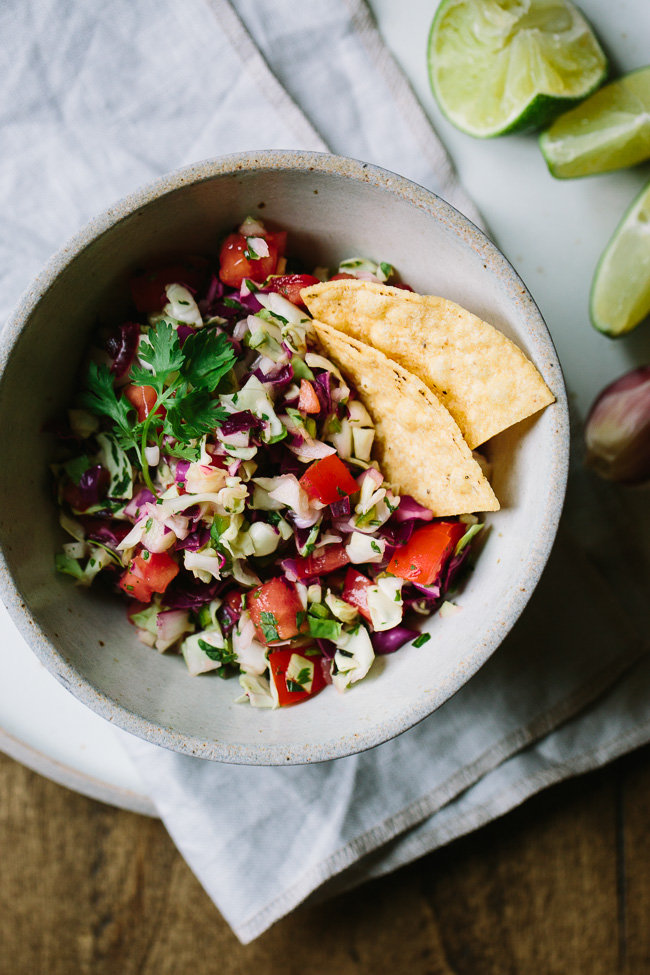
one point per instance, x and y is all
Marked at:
(516, 596)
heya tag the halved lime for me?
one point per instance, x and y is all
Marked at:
(500, 66)
(620, 293)
(611, 130)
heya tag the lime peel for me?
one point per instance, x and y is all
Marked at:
(608, 131)
(620, 292)
(500, 66)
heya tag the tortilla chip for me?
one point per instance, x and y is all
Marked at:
(417, 443)
(483, 379)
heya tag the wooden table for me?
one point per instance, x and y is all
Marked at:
(561, 885)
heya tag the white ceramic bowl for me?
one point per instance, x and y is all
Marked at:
(333, 208)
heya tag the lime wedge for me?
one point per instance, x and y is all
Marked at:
(620, 293)
(500, 66)
(610, 130)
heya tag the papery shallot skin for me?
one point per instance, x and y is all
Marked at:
(617, 430)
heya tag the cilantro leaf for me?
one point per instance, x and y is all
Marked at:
(269, 626)
(208, 356)
(222, 654)
(421, 639)
(163, 353)
(193, 415)
(233, 303)
(101, 398)
(184, 450)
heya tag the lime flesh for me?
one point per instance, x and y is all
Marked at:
(610, 130)
(620, 293)
(498, 66)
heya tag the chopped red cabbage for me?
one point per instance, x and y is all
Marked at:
(277, 377)
(388, 641)
(90, 484)
(239, 422)
(134, 507)
(192, 594)
(195, 540)
(107, 531)
(327, 648)
(122, 347)
(184, 332)
(323, 388)
(214, 292)
(341, 508)
(410, 508)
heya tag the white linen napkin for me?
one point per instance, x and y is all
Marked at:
(101, 98)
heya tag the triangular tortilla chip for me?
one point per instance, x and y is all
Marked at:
(417, 443)
(483, 379)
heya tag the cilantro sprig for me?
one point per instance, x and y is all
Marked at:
(101, 397)
(184, 380)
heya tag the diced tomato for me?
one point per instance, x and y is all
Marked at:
(325, 560)
(328, 480)
(148, 286)
(308, 401)
(136, 587)
(287, 690)
(402, 286)
(277, 611)
(156, 569)
(234, 266)
(143, 398)
(355, 591)
(234, 601)
(290, 286)
(427, 551)
(343, 276)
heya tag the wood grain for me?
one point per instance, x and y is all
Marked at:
(561, 885)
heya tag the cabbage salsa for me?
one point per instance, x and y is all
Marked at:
(217, 471)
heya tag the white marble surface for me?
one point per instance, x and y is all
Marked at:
(552, 231)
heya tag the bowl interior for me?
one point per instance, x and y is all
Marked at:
(332, 209)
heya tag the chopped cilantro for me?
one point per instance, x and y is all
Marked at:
(374, 546)
(269, 626)
(421, 639)
(222, 654)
